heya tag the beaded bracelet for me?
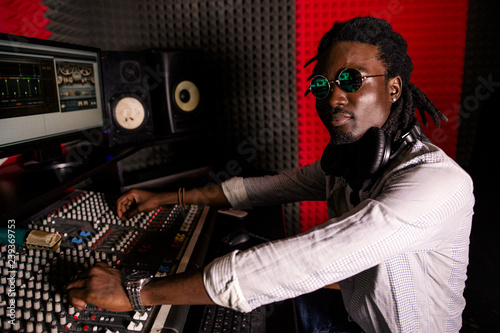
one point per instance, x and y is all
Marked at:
(180, 197)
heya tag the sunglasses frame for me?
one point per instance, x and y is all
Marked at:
(338, 83)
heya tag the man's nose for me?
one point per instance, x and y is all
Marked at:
(336, 97)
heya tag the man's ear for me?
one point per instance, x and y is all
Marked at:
(395, 86)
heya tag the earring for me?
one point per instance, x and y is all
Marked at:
(394, 99)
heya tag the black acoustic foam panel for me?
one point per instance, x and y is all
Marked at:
(251, 46)
(477, 150)
(481, 73)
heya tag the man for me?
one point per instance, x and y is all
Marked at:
(400, 210)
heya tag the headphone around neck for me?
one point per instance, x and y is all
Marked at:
(368, 156)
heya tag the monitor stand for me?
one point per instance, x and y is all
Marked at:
(51, 157)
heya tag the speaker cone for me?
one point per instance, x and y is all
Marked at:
(129, 113)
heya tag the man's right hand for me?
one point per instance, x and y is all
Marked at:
(137, 201)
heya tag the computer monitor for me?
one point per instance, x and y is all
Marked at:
(50, 93)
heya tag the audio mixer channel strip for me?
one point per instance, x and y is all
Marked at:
(161, 242)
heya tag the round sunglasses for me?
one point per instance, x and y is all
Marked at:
(348, 79)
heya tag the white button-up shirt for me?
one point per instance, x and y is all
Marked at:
(400, 255)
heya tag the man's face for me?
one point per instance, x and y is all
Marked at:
(347, 116)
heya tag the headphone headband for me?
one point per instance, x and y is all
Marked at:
(409, 138)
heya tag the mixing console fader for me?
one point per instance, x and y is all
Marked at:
(32, 297)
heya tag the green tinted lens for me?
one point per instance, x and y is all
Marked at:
(320, 87)
(350, 80)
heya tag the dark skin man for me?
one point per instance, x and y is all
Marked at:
(346, 116)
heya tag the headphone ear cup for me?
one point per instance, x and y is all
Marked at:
(374, 153)
(333, 159)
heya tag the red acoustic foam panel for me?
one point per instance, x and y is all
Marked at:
(24, 18)
(435, 32)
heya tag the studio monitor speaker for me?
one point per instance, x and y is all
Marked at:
(177, 82)
(126, 96)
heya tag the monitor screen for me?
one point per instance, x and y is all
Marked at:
(48, 90)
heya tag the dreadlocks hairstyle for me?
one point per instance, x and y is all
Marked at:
(393, 53)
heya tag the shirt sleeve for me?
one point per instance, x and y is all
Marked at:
(307, 183)
(414, 210)
(236, 194)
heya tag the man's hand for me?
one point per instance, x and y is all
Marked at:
(100, 286)
(137, 201)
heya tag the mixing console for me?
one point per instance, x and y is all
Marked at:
(31, 286)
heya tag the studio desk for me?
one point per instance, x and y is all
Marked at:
(165, 241)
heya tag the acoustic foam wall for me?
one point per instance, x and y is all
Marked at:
(435, 32)
(481, 73)
(23, 18)
(251, 46)
(478, 149)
